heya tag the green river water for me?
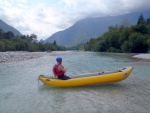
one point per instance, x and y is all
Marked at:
(20, 91)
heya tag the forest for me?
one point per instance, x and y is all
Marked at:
(10, 42)
(123, 38)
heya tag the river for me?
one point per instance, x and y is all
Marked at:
(20, 91)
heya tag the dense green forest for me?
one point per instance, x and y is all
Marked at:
(123, 38)
(10, 42)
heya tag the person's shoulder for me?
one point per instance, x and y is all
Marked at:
(60, 65)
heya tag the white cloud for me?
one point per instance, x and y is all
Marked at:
(46, 17)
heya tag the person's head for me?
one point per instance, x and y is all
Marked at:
(59, 59)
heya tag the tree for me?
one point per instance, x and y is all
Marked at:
(1, 34)
(54, 43)
(41, 46)
(23, 37)
(142, 28)
(137, 43)
(148, 42)
(10, 42)
(33, 37)
(148, 21)
(125, 47)
(124, 23)
(9, 35)
(141, 20)
(124, 35)
(9, 45)
(102, 46)
(2, 46)
(112, 28)
(148, 29)
(33, 47)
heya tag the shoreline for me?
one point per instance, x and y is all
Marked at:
(14, 56)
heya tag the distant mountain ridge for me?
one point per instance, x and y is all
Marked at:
(5, 27)
(83, 30)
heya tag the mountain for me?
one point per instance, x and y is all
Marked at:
(83, 30)
(5, 27)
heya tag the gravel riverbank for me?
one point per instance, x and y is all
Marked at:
(12, 56)
(143, 56)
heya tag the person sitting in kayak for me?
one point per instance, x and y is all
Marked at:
(59, 70)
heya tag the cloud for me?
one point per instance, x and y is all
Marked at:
(46, 17)
(106, 7)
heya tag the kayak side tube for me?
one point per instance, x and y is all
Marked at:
(87, 79)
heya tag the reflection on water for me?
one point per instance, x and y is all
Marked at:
(21, 92)
(112, 87)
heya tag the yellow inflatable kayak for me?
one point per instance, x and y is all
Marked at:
(89, 79)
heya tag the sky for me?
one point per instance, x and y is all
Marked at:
(46, 17)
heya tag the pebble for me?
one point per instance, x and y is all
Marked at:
(13, 56)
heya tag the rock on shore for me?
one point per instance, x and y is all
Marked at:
(11, 56)
(143, 56)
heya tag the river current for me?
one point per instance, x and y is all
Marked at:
(20, 91)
